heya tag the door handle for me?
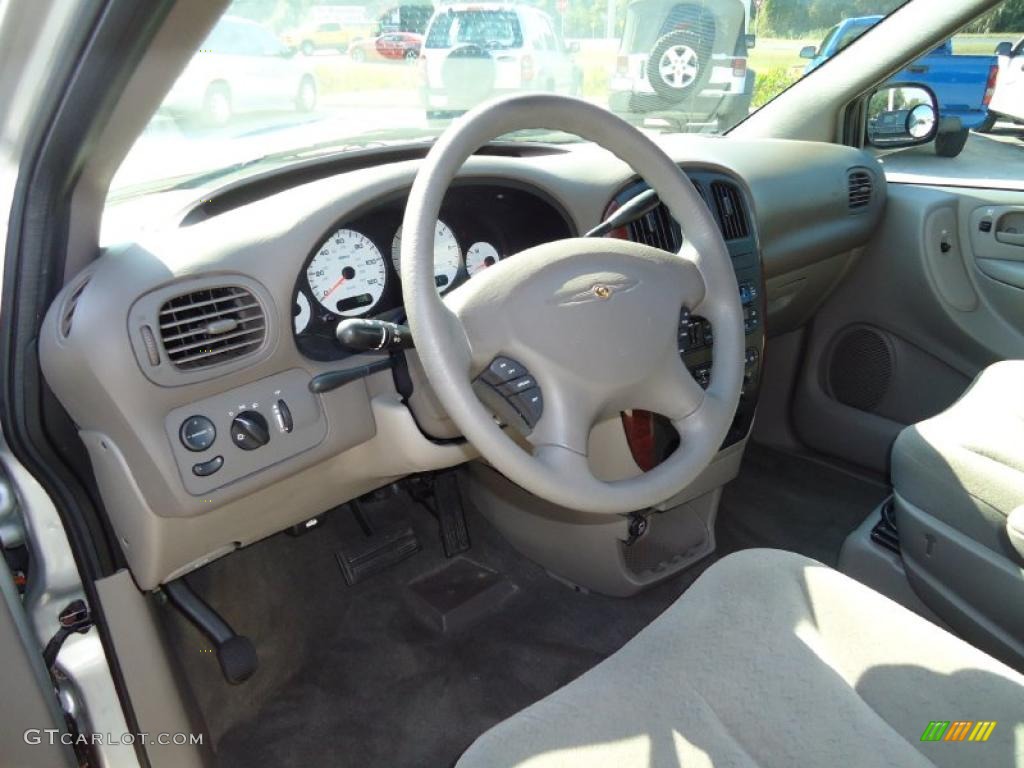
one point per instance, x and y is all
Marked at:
(1010, 238)
(919, 69)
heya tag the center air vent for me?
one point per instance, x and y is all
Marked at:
(729, 206)
(859, 189)
(656, 229)
(211, 326)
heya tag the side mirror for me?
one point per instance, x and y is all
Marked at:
(901, 115)
(808, 52)
(750, 41)
(573, 47)
(1004, 49)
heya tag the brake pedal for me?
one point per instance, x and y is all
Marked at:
(377, 549)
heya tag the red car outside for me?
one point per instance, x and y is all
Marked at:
(390, 45)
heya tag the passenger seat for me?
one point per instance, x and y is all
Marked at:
(958, 481)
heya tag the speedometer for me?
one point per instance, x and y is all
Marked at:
(447, 255)
(348, 274)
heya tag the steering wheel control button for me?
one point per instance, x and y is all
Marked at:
(500, 370)
(197, 433)
(283, 417)
(530, 405)
(207, 468)
(249, 431)
(515, 386)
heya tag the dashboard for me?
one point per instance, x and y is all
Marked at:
(353, 271)
(184, 356)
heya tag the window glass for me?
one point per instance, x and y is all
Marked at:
(978, 80)
(309, 77)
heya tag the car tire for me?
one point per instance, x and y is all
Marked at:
(950, 144)
(679, 65)
(217, 109)
(987, 124)
(308, 49)
(358, 55)
(305, 98)
(412, 54)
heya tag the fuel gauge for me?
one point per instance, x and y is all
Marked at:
(480, 256)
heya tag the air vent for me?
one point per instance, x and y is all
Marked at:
(859, 186)
(68, 310)
(211, 326)
(729, 207)
(656, 229)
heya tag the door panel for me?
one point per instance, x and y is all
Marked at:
(932, 301)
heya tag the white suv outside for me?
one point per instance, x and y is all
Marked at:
(476, 50)
(684, 61)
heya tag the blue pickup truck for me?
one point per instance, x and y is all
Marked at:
(963, 84)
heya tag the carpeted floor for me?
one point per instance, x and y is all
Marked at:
(795, 503)
(349, 677)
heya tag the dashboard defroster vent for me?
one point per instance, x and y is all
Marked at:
(729, 206)
(67, 313)
(859, 189)
(211, 326)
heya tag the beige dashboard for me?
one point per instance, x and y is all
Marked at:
(133, 408)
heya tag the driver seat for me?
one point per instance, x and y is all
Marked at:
(773, 659)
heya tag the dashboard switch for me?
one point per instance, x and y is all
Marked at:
(207, 468)
(283, 414)
(197, 433)
(249, 431)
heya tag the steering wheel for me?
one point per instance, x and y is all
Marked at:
(595, 321)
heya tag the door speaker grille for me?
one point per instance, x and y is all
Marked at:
(860, 368)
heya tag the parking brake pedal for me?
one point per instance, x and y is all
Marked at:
(235, 653)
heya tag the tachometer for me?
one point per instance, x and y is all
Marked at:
(446, 255)
(348, 274)
(480, 256)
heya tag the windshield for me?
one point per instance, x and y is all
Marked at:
(280, 80)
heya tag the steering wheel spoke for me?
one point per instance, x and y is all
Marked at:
(485, 336)
(672, 391)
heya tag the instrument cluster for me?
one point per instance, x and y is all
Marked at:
(355, 269)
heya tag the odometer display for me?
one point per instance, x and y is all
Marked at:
(347, 275)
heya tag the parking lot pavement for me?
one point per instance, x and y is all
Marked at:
(995, 159)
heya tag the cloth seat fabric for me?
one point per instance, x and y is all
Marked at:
(772, 659)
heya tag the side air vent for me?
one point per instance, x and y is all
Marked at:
(211, 326)
(656, 229)
(729, 206)
(67, 313)
(859, 189)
